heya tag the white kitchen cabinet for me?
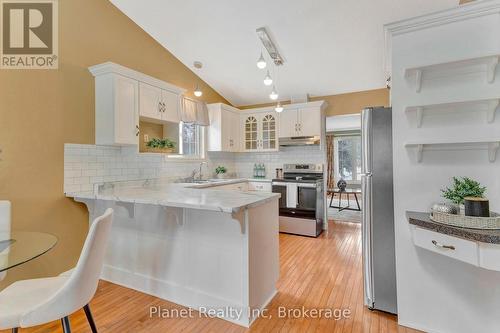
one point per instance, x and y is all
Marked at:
(301, 121)
(310, 121)
(122, 95)
(223, 133)
(260, 131)
(158, 104)
(116, 110)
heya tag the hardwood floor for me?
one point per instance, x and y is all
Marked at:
(322, 273)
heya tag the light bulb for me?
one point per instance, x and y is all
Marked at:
(278, 108)
(261, 63)
(273, 95)
(268, 80)
(197, 91)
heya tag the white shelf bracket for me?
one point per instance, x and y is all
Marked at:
(492, 151)
(420, 116)
(493, 107)
(129, 206)
(491, 69)
(418, 80)
(420, 153)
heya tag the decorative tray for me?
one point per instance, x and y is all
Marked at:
(492, 222)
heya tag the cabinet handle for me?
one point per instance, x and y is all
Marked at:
(137, 130)
(448, 247)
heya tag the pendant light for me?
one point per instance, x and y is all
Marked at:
(261, 62)
(197, 91)
(268, 80)
(279, 107)
(274, 94)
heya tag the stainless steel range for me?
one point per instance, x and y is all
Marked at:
(301, 206)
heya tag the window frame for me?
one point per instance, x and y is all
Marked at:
(336, 158)
(201, 156)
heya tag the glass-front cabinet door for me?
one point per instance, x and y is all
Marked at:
(268, 132)
(251, 133)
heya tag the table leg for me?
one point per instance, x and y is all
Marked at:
(357, 201)
(331, 199)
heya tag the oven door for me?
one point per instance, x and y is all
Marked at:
(281, 189)
(307, 197)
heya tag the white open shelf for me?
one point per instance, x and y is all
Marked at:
(417, 73)
(491, 145)
(492, 106)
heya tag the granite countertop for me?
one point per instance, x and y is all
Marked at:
(423, 220)
(221, 182)
(179, 195)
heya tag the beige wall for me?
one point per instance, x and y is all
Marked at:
(40, 110)
(347, 103)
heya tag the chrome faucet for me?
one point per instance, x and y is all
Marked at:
(201, 165)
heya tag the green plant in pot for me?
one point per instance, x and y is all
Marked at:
(162, 145)
(220, 171)
(461, 188)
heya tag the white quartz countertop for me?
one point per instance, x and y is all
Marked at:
(181, 195)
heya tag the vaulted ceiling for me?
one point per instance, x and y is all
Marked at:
(329, 46)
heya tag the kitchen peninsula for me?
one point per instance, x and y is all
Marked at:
(199, 247)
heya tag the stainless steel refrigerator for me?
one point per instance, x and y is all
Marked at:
(379, 260)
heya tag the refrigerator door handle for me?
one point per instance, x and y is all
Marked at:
(366, 141)
(366, 188)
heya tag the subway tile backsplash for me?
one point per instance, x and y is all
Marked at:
(86, 165)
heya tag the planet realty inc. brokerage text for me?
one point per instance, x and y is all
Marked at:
(237, 313)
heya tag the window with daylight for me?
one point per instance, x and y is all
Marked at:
(191, 143)
(347, 158)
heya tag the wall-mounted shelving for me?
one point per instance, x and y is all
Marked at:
(417, 73)
(491, 145)
(492, 106)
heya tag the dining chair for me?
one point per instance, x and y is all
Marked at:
(4, 231)
(34, 302)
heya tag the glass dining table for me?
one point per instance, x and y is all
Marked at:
(23, 246)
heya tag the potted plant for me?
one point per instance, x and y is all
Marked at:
(220, 171)
(461, 188)
(157, 145)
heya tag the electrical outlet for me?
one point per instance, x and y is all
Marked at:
(146, 138)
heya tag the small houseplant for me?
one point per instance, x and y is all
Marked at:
(463, 187)
(220, 171)
(160, 145)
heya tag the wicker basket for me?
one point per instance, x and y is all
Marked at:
(159, 150)
(492, 222)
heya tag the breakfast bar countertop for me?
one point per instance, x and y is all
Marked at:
(422, 220)
(179, 195)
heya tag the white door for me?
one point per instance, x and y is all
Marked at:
(150, 101)
(234, 131)
(225, 134)
(126, 111)
(171, 106)
(250, 133)
(309, 122)
(268, 130)
(288, 123)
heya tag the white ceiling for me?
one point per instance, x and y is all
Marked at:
(329, 46)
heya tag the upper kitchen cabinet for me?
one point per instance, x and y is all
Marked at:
(158, 104)
(260, 130)
(305, 119)
(122, 95)
(223, 133)
(116, 110)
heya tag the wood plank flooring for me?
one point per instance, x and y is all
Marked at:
(322, 273)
